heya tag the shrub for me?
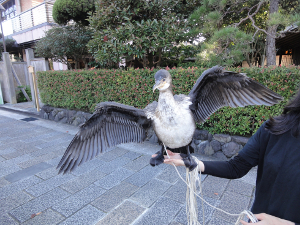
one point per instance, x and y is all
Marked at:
(20, 96)
(83, 89)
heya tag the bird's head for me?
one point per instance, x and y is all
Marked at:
(163, 80)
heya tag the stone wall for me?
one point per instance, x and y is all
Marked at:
(221, 146)
(72, 117)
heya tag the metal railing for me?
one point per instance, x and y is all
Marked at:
(39, 14)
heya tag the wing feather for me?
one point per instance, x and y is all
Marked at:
(111, 124)
(217, 88)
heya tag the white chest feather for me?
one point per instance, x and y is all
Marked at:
(173, 122)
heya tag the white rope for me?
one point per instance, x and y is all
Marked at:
(192, 179)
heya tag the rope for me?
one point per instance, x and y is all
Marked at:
(192, 179)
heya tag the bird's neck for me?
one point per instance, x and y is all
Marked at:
(166, 97)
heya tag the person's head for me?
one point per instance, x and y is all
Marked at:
(289, 120)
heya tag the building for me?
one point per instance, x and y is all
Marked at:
(288, 45)
(26, 21)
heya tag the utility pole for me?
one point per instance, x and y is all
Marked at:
(2, 9)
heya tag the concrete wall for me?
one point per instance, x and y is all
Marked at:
(7, 79)
(59, 66)
(22, 73)
(4, 87)
(39, 64)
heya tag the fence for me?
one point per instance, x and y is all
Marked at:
(39, 14)
(9, 84)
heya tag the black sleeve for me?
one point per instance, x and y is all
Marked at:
(240, 165)
(233, 169)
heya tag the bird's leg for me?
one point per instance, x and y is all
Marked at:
(188, 160)
(159, 159)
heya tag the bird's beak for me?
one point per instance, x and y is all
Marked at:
(156, 85)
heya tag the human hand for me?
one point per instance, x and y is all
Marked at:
(174, 158)
(266, 219)
(177, 160)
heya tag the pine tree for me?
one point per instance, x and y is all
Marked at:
(235, 29)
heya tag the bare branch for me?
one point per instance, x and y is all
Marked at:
(258, 5)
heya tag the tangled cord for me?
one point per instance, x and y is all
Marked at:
(192, 179)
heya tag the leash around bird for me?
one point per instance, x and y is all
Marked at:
(191, 187)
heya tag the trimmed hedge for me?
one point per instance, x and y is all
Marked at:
(83, 89)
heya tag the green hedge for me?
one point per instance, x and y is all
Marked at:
(83, 89)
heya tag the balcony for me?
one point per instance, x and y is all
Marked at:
(35, 16)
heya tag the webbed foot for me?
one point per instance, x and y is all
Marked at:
(189, 162)
(157, 160)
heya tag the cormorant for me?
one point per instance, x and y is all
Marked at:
(173, 118)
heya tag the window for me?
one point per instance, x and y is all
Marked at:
(10, 10)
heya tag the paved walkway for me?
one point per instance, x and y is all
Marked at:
(118, 187)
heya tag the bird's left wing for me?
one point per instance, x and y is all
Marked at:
(216, 88)
(111, 124)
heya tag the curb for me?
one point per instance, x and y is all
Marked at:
(32, 114)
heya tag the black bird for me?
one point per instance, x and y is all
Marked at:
(173, 118)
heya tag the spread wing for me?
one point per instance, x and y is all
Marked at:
(216, 88)
(111, 124)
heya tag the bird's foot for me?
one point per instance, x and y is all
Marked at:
(189, 162)
(157, 160)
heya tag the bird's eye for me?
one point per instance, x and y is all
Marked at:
(164, 79)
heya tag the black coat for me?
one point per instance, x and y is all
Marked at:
(278, 173)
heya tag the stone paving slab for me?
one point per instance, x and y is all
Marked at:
(3, 182)
(170, 175)
(112, 154)
(48, 217)
(75, 202)
(143, 176)
(214, 186)
(18, 186)
(208, 211)
(126, 213)
(114, 178)
(82, 181)
(240, 187)
(13, 201)
(24, 212)
(117, 187)
(29, 171)
(150, 192)
(87, 215)
(113, 197)
(162, 212)
(7, 219)
(48, 185)
(232, 203)
(138, 163)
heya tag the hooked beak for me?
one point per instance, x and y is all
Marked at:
(156, 85)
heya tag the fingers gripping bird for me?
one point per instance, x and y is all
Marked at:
(173, 118)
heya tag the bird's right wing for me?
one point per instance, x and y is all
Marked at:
(217, 87)
(111, 124)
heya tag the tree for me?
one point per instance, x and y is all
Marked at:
(63, 43)
(144, 30)
(258, 19)
(66, 10)
(9, 43)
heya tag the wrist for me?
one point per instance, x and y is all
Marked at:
(201, 166)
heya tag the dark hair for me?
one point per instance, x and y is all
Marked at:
(288, 120)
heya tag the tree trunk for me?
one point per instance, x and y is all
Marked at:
(150, 59)
(271, 50)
